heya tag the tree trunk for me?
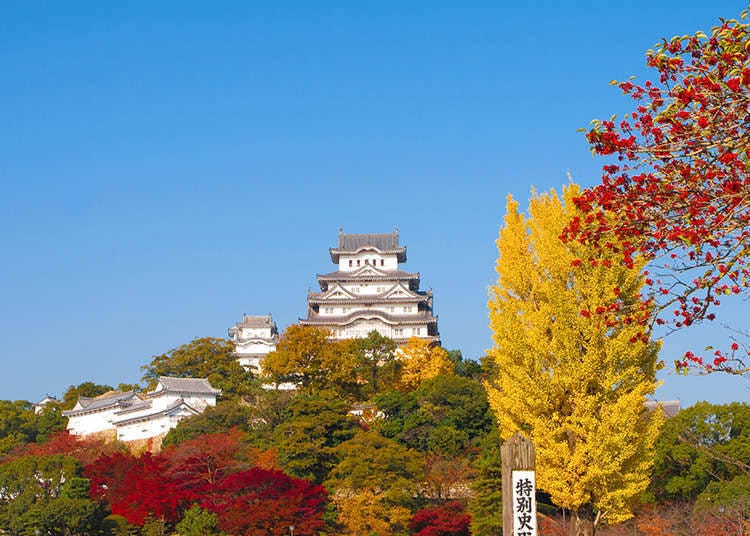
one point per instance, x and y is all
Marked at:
(582, 523)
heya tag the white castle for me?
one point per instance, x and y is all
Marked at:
(254, 338)
(369, 292)
(132, 416)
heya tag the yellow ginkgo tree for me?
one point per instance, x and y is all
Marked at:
(574, 367)
(422, 360)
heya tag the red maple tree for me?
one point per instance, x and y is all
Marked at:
(677, 187)
(448, 519)
(84, 449)
(135, 487)
(262, 502)
(197, 465)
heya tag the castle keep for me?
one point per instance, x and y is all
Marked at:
(368, 291)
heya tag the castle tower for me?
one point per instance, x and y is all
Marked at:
(370, 292)
(254, 337)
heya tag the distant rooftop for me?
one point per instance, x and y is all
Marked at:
(184, 385)
(265, 321)
(383, 242)
(670, 408)
(107, 400)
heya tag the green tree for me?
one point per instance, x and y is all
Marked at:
(703, 445)
(486, 504)
(464, 367)
(115, 525)
(376, 363)
(16, 424)
(67, 516)
(20, 424)
(458, 402)
(574, 368)
(49, 421)
(396, 407)
(44, 493)
(198, 522)
(315, 425)
(445, 415)
(207, 357)
(727, 498)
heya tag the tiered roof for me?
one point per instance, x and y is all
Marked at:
(193, 386)
(150, 416)
(369, 273)
(354, 243)
(265, 321)
(388, 318)
(399, 288)
(103, 402)
(321, 298)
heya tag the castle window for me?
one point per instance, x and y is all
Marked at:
(350, 263)
(357, 262)
(382, 262)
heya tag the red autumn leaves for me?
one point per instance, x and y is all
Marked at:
(678, 191)
(214, 473)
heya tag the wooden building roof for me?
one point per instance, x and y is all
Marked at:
(354, 243)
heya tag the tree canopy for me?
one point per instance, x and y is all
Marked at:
(207, 357)
(377, 365)
(307, 439)
(305, 356)
(676, 189)
(701, 445)
(42, 493)
(422, 360)
(375, 483)
(572, 372)
(20, 424)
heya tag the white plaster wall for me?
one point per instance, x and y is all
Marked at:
(331, 310)
(255, 332)
(252, 363)
(145, 429)
(91, 423)
(200, 402)
(98, 422)
(361, 329)
(390, 262)
(394, 309)
(197, 402)
(256, 347)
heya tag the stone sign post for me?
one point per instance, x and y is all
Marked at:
(519, 487)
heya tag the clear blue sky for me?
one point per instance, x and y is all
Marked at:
(167, 166)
